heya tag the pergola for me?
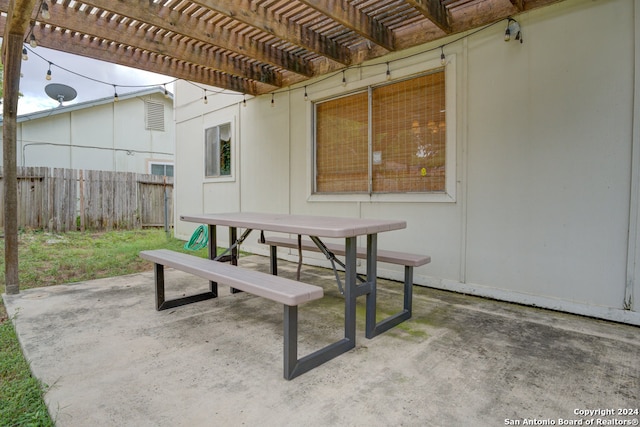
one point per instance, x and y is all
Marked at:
(248, 46)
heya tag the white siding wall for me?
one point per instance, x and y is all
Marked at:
(104, 136)
(544, 133)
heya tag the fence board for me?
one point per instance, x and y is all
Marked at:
(68, 199)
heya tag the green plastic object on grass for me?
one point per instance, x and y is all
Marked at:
(199, 239)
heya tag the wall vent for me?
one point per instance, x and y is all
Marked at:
(154, 117)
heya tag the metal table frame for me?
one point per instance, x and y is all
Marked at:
(306, 225)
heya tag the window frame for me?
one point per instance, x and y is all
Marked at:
(365, 84)
(232, 164)
(161, 163)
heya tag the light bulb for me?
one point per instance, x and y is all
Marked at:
(306, 97)
(388, 72)
(507, 34)
(25, 57)
(32, 41)
(273, 102)
(45, 10)
(443, 59)
(344, 79)
(205, 100)
(48, 77)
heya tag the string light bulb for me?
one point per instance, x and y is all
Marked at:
(443, 59)
(115, 94)
(388, 72)
(25, 56)
(48, 77)
(513, 27)
(44, 10)
(306, 97)
(244, 101)
(344, 78)
(32, 41)
(166, 92)
(205, 100)
(273, 102)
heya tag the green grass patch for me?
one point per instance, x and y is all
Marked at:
(47, 259)
(21, 402)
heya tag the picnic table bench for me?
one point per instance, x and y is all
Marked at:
(408, 260)
(288, 292)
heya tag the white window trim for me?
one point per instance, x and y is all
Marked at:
(150, 164)
(234, 143)
(449, 195)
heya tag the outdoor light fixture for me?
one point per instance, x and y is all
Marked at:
(25, 57)
(32, 41)
(115, 94)
(48, 77)
(244, 100)
(388, 72)
(306, 97)
(443, 59)
(344, 79)
(512, 28)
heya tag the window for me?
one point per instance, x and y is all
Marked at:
(387, 139)
(154, 117)
(161, 169)
(217, 149)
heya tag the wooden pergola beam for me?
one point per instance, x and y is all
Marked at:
(160, 43)
(163, 17)
(241, 10)
(115, 53)
(351, 17)
(434, 11)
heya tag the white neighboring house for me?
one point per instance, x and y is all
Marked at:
(536, 200)
(134, 134)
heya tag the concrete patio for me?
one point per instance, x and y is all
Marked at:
(110, 359)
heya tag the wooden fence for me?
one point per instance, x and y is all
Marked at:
(70, 199)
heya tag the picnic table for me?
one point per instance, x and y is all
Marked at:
(292, 293)
(317, 227)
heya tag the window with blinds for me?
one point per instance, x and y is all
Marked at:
(389, 139)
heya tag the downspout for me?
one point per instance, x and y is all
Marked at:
(634, 197)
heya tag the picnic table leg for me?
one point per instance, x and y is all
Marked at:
(374, 328)
(158, 271)
(233, 237)
(212, 246)
(350, 293)
(372, 272)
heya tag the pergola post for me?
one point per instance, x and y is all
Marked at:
(18, 20)
(12, 61)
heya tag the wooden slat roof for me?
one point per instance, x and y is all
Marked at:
(249, 46)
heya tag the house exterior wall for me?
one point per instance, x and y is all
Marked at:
(542, 208)
(101, 136)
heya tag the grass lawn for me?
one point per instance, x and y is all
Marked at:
(47, 259)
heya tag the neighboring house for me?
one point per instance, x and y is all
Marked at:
(134, 134)
(516, 166)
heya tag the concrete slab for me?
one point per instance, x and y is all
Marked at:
(110, 359)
